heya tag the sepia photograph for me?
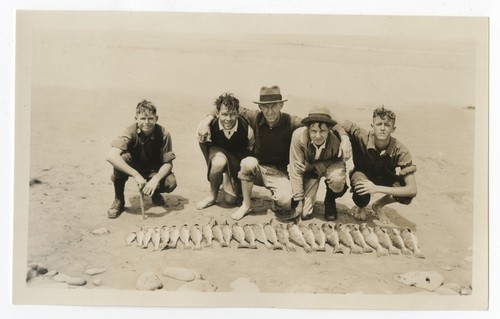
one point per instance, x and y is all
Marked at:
(251, 160)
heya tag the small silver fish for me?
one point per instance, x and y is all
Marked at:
(345, 238)
(372, 239)
(308, 236)
(284, 237)
(385, 240)
(147, 238)
(207, 234)
(249, 236)
(359, 239)
(227, 233)
(410, 241)
(297, 238)
(271, 235)
(164, 236)
(260, 235)
(155, 238)
(174, 236)
(397, 241)
(217, 232)
(130, 238)
(332, 237)
(239, 235)
(196, 236)
(184, 237)
(319, 236)
(140, 237)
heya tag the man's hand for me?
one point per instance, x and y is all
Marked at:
(345, 148)
(150, 187)
(204, 135)
(303, 168)
(141, 182)
(366, 187)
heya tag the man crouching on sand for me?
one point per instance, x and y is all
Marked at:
(232, 139)
(144, 152)
(381, 165)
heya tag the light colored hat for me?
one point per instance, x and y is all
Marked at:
(270, 95)
(319, 114)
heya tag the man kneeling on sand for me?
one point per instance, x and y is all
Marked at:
(381, 165)
(144, 152)
(231, 140)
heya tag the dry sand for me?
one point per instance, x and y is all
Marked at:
(85, 87)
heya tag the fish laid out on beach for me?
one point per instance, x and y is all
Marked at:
(308, 236)
(239, 236)
(249, 236)
(218, 236)
(208, 235)
(284, 237)
(385, 240)
(397, 241)
(345, 238)
(184, 237)
(297, 238)
(359, 239)
(271, 235)
(227, 233)
(174, 236)
(195, 235)
(410, 241)
(319, 236)
(260, 236)
(372, 239)
(349, 238)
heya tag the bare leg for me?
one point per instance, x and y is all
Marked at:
(215, 176)
(379, 205)
(246, 189)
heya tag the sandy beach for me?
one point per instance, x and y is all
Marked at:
(86, 83)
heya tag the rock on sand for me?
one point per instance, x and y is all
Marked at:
(179, 273)
(148, 281)
(198, 285)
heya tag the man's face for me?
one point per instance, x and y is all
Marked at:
(227, 118)
(382, 128)
(318, 132)
(271, 112)
(146, 122)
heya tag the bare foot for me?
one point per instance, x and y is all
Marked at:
(240, 213)
(206, 202)
(380, 214)
(357, 213)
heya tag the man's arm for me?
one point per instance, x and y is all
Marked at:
(409, 190)
(114, 157)
(345, 144)
(297, 166)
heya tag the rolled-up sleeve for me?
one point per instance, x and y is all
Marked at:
(167, 153)
(123, 141)
(296, 154)
(405, 163)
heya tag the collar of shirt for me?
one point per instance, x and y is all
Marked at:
(370, 144)
(318, 149)
(228, 132)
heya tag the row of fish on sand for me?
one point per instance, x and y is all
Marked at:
(349, 238)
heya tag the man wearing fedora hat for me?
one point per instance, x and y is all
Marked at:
(314, 153)
(273, 133)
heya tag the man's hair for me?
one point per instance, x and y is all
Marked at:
(229, 101)
(145, 107)
(384, 113)
(329, 125)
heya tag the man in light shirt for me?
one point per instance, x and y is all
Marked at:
(314, 153)
(231, 140)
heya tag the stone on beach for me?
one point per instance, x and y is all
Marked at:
(95, 271)
(198, 285)
(76, 281)
(100, 231)
(180, 273)
(148, 281)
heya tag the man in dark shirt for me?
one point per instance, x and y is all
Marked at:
(144, 152)
(232, 139)
(382, 164)
(273, 133)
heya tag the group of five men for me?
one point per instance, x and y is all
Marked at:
(270, 148)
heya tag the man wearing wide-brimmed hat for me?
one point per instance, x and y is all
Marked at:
(273, 133)
(314, 153)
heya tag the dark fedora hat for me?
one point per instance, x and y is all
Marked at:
(270, 95)
(319, 114)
